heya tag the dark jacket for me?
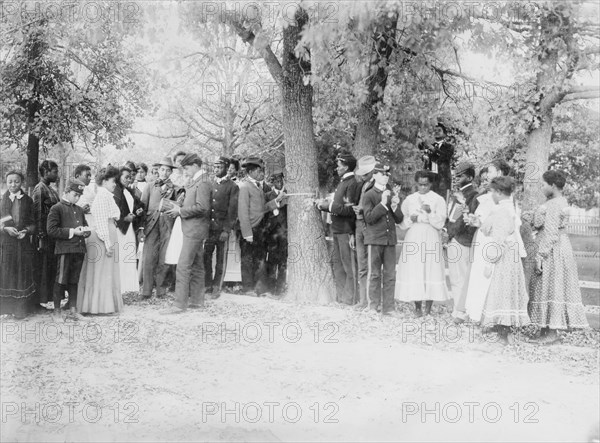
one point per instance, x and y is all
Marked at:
(343, 219)
(195, 212)
(380, 220)
(44, 197)
(121, 201)
(26, 221)
(62, 217)
(459, 230)
(151, 200)
(224, 201)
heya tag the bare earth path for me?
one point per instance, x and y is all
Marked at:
(260, 370)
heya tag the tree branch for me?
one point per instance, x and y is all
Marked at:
(587, 95)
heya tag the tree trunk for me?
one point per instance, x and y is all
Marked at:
(33, 158)
(366, 140)
(538, 144)
(309, 266)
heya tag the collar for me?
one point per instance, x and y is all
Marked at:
(196, 175)
(379, 187)
(19, 195)
(255, 182)
(65, 201)
(220, 180)
(466, 186)
(348, 174)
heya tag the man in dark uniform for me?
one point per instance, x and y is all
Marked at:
(343, 221)
(157, 230)
(223, 214)
(276, 238)
(437, 158)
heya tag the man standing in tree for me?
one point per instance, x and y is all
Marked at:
(437, 158)
(342, 227)
(223, 214)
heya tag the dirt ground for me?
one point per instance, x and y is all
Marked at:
(250, 369)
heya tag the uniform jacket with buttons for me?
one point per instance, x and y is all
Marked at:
(63, 217)
(224, 204)
(380, 220)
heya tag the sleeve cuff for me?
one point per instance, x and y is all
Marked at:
(330, 206)
(71, 233)
(386, 208)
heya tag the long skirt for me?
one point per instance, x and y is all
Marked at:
(128, 261)
(99, 290)
(175, 243)
(420, 271)
(45, 274)
(17, 284)
(506, 301)
(555, 297)
(478, 284)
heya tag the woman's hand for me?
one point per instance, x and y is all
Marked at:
(11, 231)
(414, 218)
(539, 265)
(425, 207)
(129, 218)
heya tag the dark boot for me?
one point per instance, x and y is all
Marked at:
(428, 304)
(418, 311)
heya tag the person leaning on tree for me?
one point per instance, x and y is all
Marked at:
(223, 214)
(342, 227)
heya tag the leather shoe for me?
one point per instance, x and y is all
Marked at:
(196, 306)
(458, 320)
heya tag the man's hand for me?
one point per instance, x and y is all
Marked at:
(86, 208)
(11, 231)
(174, 212)
(79, 232)
(323, 205)
(384, 196)
(352, 242)
(224, 236)
(129, 218)
(357, 209)
(22, 234)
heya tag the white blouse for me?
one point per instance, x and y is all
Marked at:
(412, 206)
(105, 211)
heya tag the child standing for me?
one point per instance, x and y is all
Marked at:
(66, 222)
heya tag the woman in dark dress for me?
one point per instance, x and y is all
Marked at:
(44, 197)
(17, 253)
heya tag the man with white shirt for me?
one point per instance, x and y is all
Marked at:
(223, 214)
(195, 224)
(252, 206)
(84, 174)
(343, 221)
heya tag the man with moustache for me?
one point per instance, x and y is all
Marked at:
(223, 214)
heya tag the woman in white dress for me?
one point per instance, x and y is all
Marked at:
(125, 233)
(478, 281)
(99, 289)
(421, 275)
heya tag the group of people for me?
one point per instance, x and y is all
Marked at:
(127, 233)
(475, 231)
